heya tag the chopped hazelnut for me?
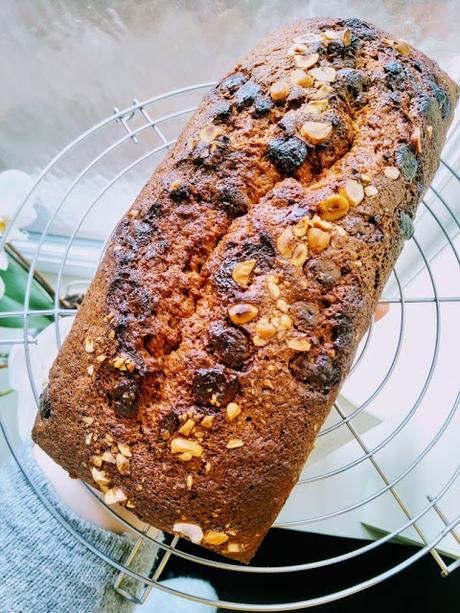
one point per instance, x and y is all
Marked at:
(299, 344)
(233, 410)
(333, 208)
(285, 322)
(322, 224)
(182, 445)
(234, 548)
(322, 92)
(112, 334)
(371, 191)
(209, 133)
(259, 342)
(324, 74)
(130, 504)
(316, 131)
(305, 62)
(215, 538)
(264, 329)
(191, 531)
(242, 272)
(87, 420)
(123, 464)
(353, 191)
(282, 305)
(301, 227)
(403, 47)
(318, 240)
(88, 438)
(365, 179)
(280, 90)
(416, 140)
(241, 314)
(187, 428)
(207, 467)
(189, 482)
(125, 450)
(273, 287)
(207, 421)
(90, 370)
(96, 460)
(185, 457)
(234, 443)
(108, 457)
(298, 48)
(286, 243)
(89, 345)
(114, 495)
(391, 172)
(101, 358)
(99, 476)
(300, 255)
(316, 107)
(301, 78)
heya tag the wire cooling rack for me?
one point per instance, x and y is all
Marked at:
(124, 148)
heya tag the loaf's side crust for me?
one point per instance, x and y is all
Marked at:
(166, 358)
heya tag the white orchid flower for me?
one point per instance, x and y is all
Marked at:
(14, 187)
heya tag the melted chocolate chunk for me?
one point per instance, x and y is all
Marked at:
(232, 199)
(342, 331)
(287, 154)
(406, 225)
(45, 405)
(407, 162)
(262, 105)
(441, 97)
(125, 397)
(321, 374)
(222, 110)
(305, 315)
(214, 386)
(230, 345)
(324, 271)
(233, 82)
(169, 423)
(353, 82)
(179, 193)
(246, 94)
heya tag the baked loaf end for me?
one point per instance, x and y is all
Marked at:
(230, 302)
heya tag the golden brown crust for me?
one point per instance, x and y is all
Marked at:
(237, 287)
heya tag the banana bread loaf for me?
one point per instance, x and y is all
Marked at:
(230, 302)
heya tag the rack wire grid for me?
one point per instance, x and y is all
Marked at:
(127, 144)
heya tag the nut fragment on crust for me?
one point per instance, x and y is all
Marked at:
(114, 495)
(353, 191)
(298, 48)
(189, 482)
(125, 450)
(300, 255)
(429, 131)
(207, 421)
(89, 345)
(282, 305)
(183, 445)
(242, 272)
(342, 35)
(241, 314)
(416, 140)
(187, 428)
(316, 107)
(207, 467)
(301, 78)
(333, 208)
(307, 61)
(108, 457)
(233, 410)
(87, 420)
(101, 358)
(99, 476)
(286, 243)
(322, 224)
(234, 548)
(391, 172)
(96, 460)
(300, 343)
(264, 329)
(212, 537)
(130, 504)
(403, 47)
(191, 531)
(234, 443)
(123, 465)
(88, 438)
(318, 240)
(280, 90)
(316, 131)
(90, 370)
(209, 133)
(301, 227)
(323, 91)
(112, 334)
(185, 457)
(371, 191)
(325, 74)
(273, 287)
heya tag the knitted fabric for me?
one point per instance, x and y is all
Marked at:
(44, 568)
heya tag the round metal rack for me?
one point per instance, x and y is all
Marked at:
(124, 147)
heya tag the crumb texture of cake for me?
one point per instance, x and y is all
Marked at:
(229, 305)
